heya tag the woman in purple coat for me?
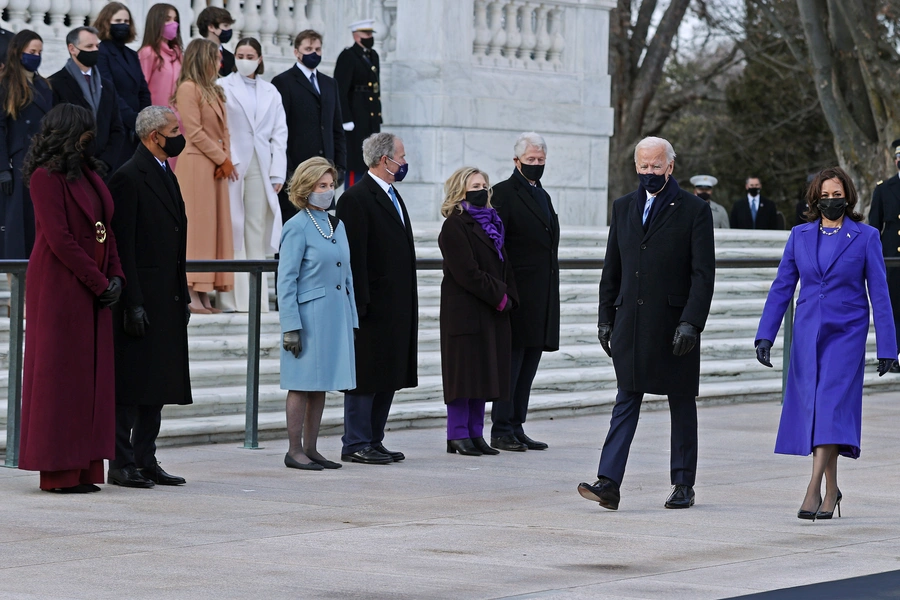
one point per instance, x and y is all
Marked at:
(836, 257)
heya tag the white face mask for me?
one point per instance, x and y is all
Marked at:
(246, 67)
(323, 200)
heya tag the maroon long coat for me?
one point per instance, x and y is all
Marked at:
(68, 390)
(476, 340)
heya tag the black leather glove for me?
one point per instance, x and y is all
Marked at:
(604, 332)
(187, 314)
(763, 353)
(6, 182)
(136, 321)
(686, 336)
(884, 365)
(290, 341)
(112, 293)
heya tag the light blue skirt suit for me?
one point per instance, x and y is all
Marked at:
(315, 295)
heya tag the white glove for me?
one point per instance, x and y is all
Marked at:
(349, 125)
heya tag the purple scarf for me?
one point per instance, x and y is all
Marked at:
(490, 222)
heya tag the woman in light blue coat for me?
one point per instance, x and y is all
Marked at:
(317, 311)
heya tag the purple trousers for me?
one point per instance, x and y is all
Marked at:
(465, 418)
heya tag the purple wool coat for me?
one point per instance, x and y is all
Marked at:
(823, 399)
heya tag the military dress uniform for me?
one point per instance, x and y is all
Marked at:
(884, 215)
(357, 73)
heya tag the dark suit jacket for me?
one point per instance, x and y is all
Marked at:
(884, 215)
(227, 63)
(151, 233)
(315, 125)
(532, 240)
(357, 76)
(652, 281)
(120, 65)
(5, 36)
(110, 132)
(383, 261)
(766, 215)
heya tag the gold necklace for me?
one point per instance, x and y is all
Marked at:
(316, 223)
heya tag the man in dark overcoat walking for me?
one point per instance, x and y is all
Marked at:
(357, 73)
(150, 323)
(884, 215)
(532, 240)
(655, 293)
(383, 262)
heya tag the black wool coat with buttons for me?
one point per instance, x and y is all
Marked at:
(885, 217)
(651, 282)
(151, 230)
(357, 76)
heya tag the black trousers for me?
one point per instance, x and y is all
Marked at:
(508, 417)
(365, 416)
(623, 424)
(136, 429)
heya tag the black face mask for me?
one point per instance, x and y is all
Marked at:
(753, 192)
(477, 198)
(88, 58)
(174, 145)
(119, 32)
(832, 208)
(652, 182)
(532, 172)
(367, 43)
(704, 196)
(225, 36)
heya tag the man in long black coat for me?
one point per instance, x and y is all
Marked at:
(357, 73)
(884, 215)
(532, 240)
(150, 321)
(383, 261)
(313, 112)
(742, 213)
(655, 293)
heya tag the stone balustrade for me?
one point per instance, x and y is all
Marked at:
(519, 33)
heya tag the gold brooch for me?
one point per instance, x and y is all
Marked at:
(100, 231)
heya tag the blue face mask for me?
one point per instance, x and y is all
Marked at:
(402, 170)
(31, 62)
(652, 183)
(311, 60)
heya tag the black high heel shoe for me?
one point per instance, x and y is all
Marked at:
(482, 445)
(837, 507)
(810, 515)
(464, 447)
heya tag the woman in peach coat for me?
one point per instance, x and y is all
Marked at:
(204, 169)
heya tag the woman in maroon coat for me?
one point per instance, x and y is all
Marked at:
(477, 293)
(74, 275)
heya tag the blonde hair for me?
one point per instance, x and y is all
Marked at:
(455, 189)
(201, 67)
(305, 177)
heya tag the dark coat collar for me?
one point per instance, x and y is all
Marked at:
(810, 236)
(384, 201)
(153, 176)
(305, 83)
(523, 189)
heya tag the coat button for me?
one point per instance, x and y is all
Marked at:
(339, 263)
(371, 114)
(637, 273)
(370, 98)
(640, 302)
(176, 229)
(321, 153)
(334, 241)
(821, 295)
(339, 286)
(643, 246)
(370, 84)
(176, 298)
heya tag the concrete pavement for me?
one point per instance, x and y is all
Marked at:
(447, 526)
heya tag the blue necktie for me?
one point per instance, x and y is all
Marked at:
(312, 80)
(753, 210)
(396, 204)
(647, 208)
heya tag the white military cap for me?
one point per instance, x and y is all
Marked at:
(703, 181)
(364, 25)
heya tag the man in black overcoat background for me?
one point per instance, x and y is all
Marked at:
(357, 73)
(383, 262)
(754, 211)
(150, 321)
(313, 112)
(884, 215)
(655, 293)
(79, 83)
(532, 241)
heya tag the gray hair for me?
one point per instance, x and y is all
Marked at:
(72, 36)
(151, 119)
(377, 145)
(655, 142)
(529, 139)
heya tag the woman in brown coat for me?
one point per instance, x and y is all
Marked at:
(204, 169)
(477, 293)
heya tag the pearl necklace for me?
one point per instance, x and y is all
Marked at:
(822, 229)
(316, 223)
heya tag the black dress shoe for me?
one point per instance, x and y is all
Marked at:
(530, 443)
(292, 463)
(128, 477)
(81, 488)
(395, 456)
(463, 446)
(895, 368)
(508, 442)
(328, 464)
(604, 491)
(367, 456)
(681, 497)
(482, 445)
(157, 475)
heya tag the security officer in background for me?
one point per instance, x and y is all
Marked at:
(357, 74)
(703, 185)
(884, 215)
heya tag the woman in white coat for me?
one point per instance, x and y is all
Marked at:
(258, 129)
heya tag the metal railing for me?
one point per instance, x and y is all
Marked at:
(17, 268)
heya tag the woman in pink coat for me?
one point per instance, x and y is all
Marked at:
(161, 55)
